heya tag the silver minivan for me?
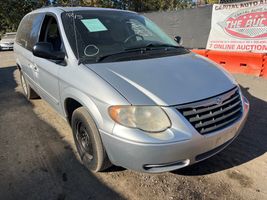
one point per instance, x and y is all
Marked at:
(133, 96)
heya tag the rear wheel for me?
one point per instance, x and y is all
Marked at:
(27, 90)
(88, 142)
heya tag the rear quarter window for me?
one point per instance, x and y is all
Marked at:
(28, 31)
(22, 32)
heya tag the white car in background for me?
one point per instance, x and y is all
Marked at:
(7, 42)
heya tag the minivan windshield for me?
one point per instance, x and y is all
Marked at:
(95, 35)
(9, 36)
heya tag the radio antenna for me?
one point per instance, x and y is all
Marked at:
(75, 34)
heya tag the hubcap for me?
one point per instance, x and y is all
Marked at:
(24, 86)
(84, 140)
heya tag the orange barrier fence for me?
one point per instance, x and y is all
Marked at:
(264, 68)
(202, 52)
(238, 62)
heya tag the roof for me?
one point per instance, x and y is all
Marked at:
(69, 9)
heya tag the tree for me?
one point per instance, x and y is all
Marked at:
(12, 11)
(212, 1)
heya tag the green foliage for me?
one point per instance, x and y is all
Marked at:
(212, 1)
(12, 11)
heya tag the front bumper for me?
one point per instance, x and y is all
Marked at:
(167, 156)
(4, 46)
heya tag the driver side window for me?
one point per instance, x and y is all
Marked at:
(50, 33)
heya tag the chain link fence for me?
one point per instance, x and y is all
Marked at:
(231, 1)
(205, 2)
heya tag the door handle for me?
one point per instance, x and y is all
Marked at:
(35, 68)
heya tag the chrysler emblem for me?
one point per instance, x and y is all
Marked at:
(219, 100)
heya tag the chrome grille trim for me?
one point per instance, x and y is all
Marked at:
(208, 115)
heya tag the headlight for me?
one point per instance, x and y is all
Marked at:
(146, 118)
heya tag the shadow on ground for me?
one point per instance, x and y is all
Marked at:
(250, 144)
(35, 163)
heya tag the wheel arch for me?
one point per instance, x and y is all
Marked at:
(70, 105)
(73, 99)
(18, 64)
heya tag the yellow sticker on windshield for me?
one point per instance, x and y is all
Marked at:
(94, 25)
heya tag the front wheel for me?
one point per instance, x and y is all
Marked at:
(88, 142)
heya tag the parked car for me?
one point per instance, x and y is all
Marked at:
(133, 96)
(7, 42)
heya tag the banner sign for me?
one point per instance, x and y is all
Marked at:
(239, 27)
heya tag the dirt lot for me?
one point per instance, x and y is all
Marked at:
(38, 159)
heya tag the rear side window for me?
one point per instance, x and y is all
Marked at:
(22, 32)
(28, 30)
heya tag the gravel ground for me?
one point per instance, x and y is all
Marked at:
(38, 159)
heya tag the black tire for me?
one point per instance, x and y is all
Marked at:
(88, 141)
(26, 88)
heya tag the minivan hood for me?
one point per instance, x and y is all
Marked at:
(167, 80)
(7, 40)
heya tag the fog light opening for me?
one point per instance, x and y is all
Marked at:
(166, 166)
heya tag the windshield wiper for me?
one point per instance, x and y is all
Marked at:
(152, 46)
(141, 49)
(100, 58)
(83, 59)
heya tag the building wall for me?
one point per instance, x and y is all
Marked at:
(193, 25)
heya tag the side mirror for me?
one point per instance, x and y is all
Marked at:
(178, 39)
(45, 50)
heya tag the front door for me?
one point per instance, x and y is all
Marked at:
(45, 70)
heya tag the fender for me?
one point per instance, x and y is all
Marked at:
(84, 100)
(18, 64)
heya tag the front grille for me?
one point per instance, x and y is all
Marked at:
(8, 43)
(214, 113)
